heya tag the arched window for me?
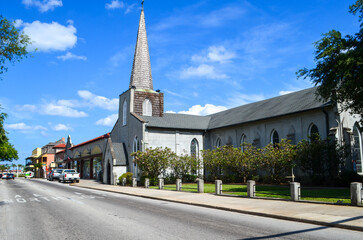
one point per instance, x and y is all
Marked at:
(275, 138)
(194, 148)
(243, 142)
(357, 150)
(291, 135)
(313, 132)
(147, 108)
(218, 142)
(124, 113)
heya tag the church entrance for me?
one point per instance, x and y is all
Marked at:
(108, 173)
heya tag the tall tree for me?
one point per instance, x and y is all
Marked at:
(339, 67)
(7, 150)
(13, 44)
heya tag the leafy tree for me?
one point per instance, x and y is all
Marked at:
(7, 150)
(154, 162)
(320, 159)
(339, 67)
(184, 165)
(277, 159)
(13, 44)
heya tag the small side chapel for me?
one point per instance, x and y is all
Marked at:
(142, 122)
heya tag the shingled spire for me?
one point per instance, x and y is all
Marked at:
(141, 76)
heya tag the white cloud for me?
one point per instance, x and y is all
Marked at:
(44, 5)
(23, 127)
(62, 127)
(18, 23)
(215, 54)
(109, 121)
(59, 110)
(203, 70)
(71, 56)
(52, 109)
(99, 101)
(206, 110)
(51, 36)
(242, 99)
(115, 4)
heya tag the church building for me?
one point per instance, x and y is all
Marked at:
(143, 124)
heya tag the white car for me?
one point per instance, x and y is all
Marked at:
(69, 175)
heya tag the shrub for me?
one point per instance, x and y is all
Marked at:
(348, 177)
(128, 178)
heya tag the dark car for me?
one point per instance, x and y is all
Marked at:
(9, 176)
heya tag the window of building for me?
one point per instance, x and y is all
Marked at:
(124, 113)
(313, 132)
(194, 148)
(243, 142)
(357, 150)
(218, 142)
(275, 138)
(147, 108)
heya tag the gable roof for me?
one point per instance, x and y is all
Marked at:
(291, 103)
(107, 135)
(178, 121)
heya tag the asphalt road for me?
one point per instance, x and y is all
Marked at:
(38, 209)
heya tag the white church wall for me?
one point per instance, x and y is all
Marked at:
(177, 140)
(262, 130)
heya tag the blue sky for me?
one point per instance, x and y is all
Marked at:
(206, 56)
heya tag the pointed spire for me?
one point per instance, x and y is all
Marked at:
(141, 76)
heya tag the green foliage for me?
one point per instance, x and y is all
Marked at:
(321, 159)
(339, 67)
(7, 150)
(277, 160)
(128, 177)
(154, 162)
(13, 44)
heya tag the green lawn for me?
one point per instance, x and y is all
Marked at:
(331, 195)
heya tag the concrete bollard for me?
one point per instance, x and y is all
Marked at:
(179, 185)
(295, 191)
(356, 193)
(200, 183)
(251, 188)
(218, 187)
(161, 183)
(147, 183)
(134, 182)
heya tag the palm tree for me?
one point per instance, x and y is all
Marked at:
(17, 170)
(13, 166)
(2, 167)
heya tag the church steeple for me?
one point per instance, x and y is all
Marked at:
(141, 76)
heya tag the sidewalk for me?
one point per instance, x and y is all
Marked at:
(347, 217)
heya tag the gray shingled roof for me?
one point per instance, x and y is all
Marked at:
(274, 107)
(278, 106)
(178, 121)
(120, 154)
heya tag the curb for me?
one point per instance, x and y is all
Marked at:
(316, 222)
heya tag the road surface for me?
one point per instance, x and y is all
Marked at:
(39, 209)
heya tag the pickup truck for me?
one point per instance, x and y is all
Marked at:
(69, 175)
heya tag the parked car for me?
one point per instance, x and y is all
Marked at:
(54, 174)
(9, 176)
(69, 175)
(29, 174)
(1, 175)
(4, 176)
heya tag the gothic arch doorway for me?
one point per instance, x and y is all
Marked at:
(108, 173)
